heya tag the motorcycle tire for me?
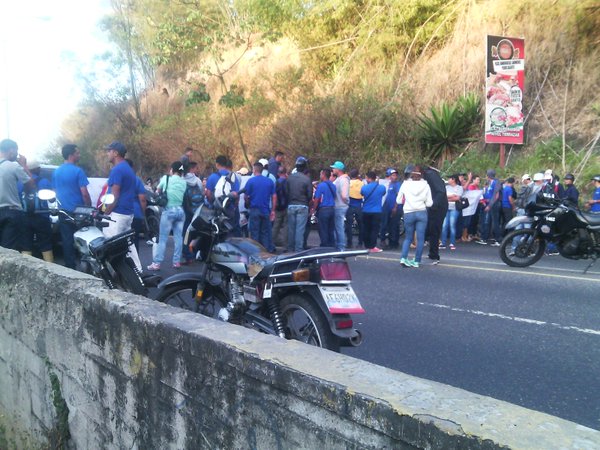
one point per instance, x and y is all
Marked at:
(525, 252)
(129, 279)
(182, 296)
(305, 322)
(153, 226)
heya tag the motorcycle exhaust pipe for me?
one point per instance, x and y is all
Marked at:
(356, 340)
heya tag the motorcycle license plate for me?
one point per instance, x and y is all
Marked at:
(341, 300)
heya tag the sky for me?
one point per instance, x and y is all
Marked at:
(42, 45)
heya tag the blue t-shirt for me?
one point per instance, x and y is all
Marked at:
(326, 192)
(137, 207)
(214, 178)
(489, 191)
(68, 180)
(392, 193)
(596, 206)
(123, 176)
(372, 193)
(507, 192)
(260, 189)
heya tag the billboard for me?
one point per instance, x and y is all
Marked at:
(504, 87)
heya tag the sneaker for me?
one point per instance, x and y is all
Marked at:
(153, 267)
(435, 262)
(481, 242)
(442, 247)
(375, 250)
(176, 265)
(495, 244)
(452, 247)
(553, 253)
(405, 262)
(413, 263)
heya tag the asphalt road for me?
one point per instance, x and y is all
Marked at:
(527, 336)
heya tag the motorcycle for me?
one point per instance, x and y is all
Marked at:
(576, 234)
(306, 296)
(105, 258)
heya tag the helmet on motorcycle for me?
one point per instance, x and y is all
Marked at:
(538, 176)
(596, 178)
(569, 176)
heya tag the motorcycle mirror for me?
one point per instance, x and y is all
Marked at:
(46, 195)
(107, 199)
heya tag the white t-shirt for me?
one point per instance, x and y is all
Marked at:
(458, 190)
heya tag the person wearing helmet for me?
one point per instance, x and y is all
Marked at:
(299, 193)
(570, 192)
(594, 203)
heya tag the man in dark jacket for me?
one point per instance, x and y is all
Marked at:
(437, 212)
(570, 192)
(299, 193)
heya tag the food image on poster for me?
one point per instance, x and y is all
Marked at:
(504, 90)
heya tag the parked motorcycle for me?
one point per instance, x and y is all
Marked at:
(305, 296)
(576, 234)
(102, 257)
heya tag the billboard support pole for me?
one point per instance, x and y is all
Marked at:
(502, 156)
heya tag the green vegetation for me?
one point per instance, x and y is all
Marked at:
(374, 82)
(59, 436)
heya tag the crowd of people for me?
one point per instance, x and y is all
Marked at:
(277, 207)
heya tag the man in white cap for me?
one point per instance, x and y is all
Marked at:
(523, 194)
(342, 199)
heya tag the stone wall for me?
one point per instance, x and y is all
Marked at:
(104, 369)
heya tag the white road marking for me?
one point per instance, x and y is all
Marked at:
(515, 318)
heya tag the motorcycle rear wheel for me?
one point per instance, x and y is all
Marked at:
(306, 323)
(183, 296)
(129, 279)
(527, 249)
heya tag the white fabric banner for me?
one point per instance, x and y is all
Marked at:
(473, 197)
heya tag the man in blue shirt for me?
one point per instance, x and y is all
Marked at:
(391, 214)
(223, 181)
(70, 184)
(260, 192)
(594, 203)
(324, 205)
(122, 184)
(372, 193)
(139, 208)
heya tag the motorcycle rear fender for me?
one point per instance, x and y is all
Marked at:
(519, 220)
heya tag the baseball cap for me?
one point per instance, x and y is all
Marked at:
(570, 176)
(547, 176)
(538, 176)
(264, 162)
(596, 178)
(525, 177)
(243, 171)
(510, 180)
(117, 146)
(33, 164)
(390, 171)
(338, 165)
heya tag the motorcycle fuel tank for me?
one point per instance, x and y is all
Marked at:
(84, 237)
(235, 253)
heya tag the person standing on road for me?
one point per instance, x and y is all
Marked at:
(392, 212)
(139, 208)
(299, 193)
(324, 206)
(454, 192)
(594, 203)
(13, 168)
(275, 163)
(354, 208)
(122, 185)
(373, 193)
(492, 211)
(70, 184)
(415, 195)
(280, 225)
(172, 217)
(192, 200)
(436, 213)
(342, 198)
(570, 192)
(262, 200)
(508, 200)
(186, 158)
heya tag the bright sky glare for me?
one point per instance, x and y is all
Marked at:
(42, 43)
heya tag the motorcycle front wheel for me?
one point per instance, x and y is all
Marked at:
(520, 248)
(306, 323)
(183, 296)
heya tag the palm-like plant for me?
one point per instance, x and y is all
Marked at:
(449, 127)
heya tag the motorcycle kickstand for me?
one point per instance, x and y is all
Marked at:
(594, 259)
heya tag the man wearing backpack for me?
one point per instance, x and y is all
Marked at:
(222, 182)
(192, 199)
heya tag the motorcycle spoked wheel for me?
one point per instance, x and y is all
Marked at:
(183, 296)
(129, 279)
(527, 249)
(153, 226)
(306, 323)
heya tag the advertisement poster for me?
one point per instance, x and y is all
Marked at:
(505, 83)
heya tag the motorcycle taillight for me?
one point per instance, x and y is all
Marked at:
(335, 271)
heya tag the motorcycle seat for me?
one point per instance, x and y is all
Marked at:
(267, 260)
(592, 218)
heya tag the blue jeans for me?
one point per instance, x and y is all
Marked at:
(326, 217)
(172, 218)
(259, 226)
(491, 219)
(450, 222)
(340, 227)
(297, 218)
(416, 220)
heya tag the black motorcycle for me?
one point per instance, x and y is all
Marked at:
(576, 234)
(102, 257)
(305, 296)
